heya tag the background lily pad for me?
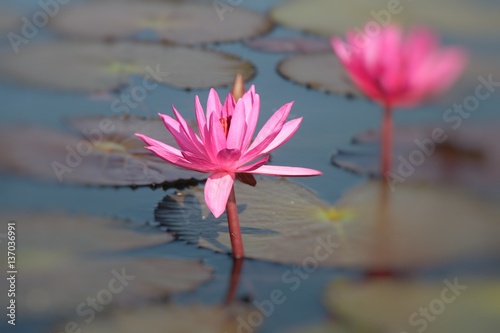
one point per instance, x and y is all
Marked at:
(469, 157)
(9, 20)
(475, 306)
(325, 17)
(414, 226)
(320, 71)
(97, 67)
(110, 155)
(63, 259)
(172, 318)
(288, 45)
(183, 23)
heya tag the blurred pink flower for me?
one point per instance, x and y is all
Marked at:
(224, 146)
(397, 71)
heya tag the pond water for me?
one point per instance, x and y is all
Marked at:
(330, 121)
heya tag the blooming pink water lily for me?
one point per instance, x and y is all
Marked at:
(399, 71)
(224, 146)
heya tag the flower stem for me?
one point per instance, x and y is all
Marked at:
(234, 226)
(386, 142)
(234, 280)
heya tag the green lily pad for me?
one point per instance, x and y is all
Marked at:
(172, 318)
(105, 152)
(453, 305)
(368, 228)
(98, 67)
(64, 259)
(183, 23)
(288, 45)
(325, 327)
(319, 71)
(9, 20)
(468, 157)
(325, 17)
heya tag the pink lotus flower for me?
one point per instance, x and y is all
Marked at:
(399, 72)
(224, 148)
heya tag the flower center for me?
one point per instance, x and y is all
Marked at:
(226, 123)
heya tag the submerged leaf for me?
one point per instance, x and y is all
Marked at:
(105, 153)
(9, 20)
(65, 259)
(292, 45)
(173, 318)
(369, 228)
(468, 157)
(97, 67)
(320, 71)
(326, 17)
(185, 23)
(458, 305)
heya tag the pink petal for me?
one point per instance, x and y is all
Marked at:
(286, 133)
(217, 190)
(252, 110)
(238, 127)
(174, 159)
(276, 121)
(217, 135)
(178, 133)
(198, 160)
(419, 44)
(155, 143)
(448, 65)
(229, 104)
(213, 104)
(188, 131)
(200, 116)
(341, 50)
(254, 166)
(285, 171)
(226, 158)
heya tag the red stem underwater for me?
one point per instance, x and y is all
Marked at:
(234, 281)
(234, 226)
(386, 142)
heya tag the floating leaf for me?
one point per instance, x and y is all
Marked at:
(457, 305)
(69, 235)
(95, 67)
(284, 222)
(105, 153)
(325, 327)
(468, 157)
(186, 23)
(63, 259)
(9, 20)
(292, 45)
(321, 71)
(173, 318)
(326, 17)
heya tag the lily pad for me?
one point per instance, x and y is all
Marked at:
(324, 327)
(64, 259)
(289, 45)
(9, 20)
(283, 222)
(320, 71)
(183, 23)
(468, 157)
(106, 152)
(454, 305)
(172, 318)
(97, 67)
(325, 17)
